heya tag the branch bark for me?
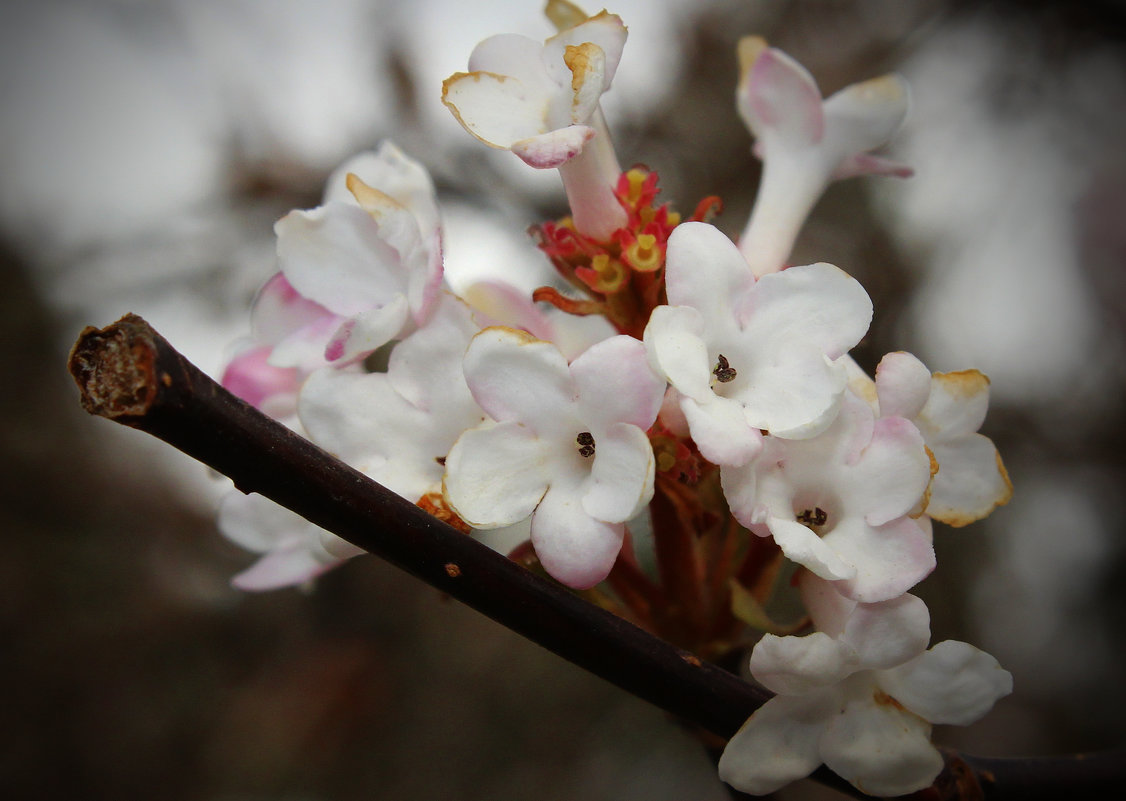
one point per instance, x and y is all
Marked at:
(130, 374)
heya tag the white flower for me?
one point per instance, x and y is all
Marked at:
(541, 101)
(838, 503)
(860, 696)
(948, 408)
(749, 354)
(369, 259)
(805, 143)
(568, 447)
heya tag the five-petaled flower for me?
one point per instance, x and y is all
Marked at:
(566, 445)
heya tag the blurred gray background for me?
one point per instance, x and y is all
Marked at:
(146, 149)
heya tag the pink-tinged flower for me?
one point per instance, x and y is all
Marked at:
(541, 101)
(369, 260)
(948, 409)
(859, 695)
(746, 354)
(398, 426)
(839, 503)
(805, 143)
(294, 551)
(566, 445)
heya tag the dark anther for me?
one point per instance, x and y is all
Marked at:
(440, 460)
(723, 371)
(813, 517)
(586, 444)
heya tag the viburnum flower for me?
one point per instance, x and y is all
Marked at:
(541, 101)
(748, 355)
(838, 504)
(859, 695)
(566, 445)
(805, 143)
(364, 268)
(398, 426)
(294, 551)
(948, 408)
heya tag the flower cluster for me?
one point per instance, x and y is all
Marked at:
(673, 461)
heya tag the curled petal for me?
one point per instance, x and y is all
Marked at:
(864, 115)
(554, 148)
(362, 333)
(603, 30)
(801, 545)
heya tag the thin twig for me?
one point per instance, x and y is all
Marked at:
(129, 374)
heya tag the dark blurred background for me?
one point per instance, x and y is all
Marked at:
(147, 148)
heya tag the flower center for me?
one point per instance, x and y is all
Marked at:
(814, 518)
(723, 371)
(586, 444)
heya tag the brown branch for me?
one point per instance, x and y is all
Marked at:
(129, 374)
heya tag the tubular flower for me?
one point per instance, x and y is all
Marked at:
(805, 143)
(541, 102)
(859, 695)
(566, 445)
(745, 354)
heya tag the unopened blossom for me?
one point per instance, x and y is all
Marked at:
(805, 143)
(293, 550)
(541, 101)
(859, 695)
(566, 445)
(748, 355)
(839, 503)
(368, 262)
(948, 408)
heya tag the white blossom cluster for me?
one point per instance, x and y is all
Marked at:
(494, 409)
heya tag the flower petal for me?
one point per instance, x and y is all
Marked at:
(362, 333)
(971, 480)
(778, 98)
(800, 665)
(778, 744)
(887, 560)
(496, 475)
(801, 545)
(889, 633)
(903, 384)
(515, 376)
(553, 148)
(864, 116)
(704, 269)
(951, 683)
(500, 110)
(334, 255)
(957, 404)
(622, 474)
(677, 350)
(880, 749)
(720, 430)
(615, 383)
(572, 546)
